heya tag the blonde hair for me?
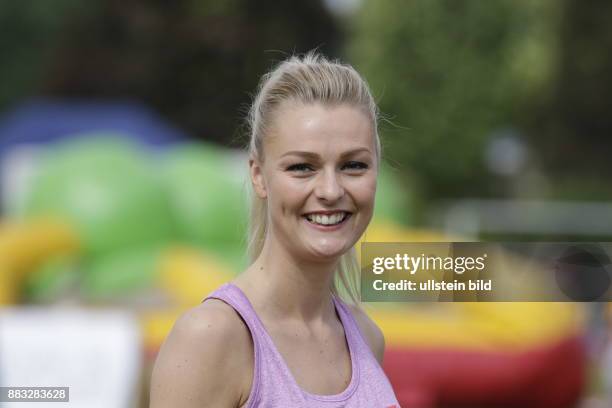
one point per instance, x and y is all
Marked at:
(309, 79)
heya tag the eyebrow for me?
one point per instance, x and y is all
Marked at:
(315, 156)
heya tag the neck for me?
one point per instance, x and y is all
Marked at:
(285, 287)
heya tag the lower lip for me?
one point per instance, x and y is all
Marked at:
(328, 228)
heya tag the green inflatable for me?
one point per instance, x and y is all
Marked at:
(57, 278)
(107, 188)
(206, 188)
(122, 275)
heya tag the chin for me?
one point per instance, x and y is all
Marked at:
(328, 253)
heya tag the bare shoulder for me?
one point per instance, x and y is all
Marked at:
(371, 332)
(206, 360)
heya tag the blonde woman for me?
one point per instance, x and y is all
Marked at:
(289, 332)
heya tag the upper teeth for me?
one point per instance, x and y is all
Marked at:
(326, 219)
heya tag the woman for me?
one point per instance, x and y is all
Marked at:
(279, 335)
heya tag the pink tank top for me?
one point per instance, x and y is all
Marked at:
(273, 384)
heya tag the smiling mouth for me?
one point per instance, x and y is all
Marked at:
(328, 220)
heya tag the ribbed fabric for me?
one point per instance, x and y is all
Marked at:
(273, 384)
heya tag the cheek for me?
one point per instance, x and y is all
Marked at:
(364, 191)
(286, 193)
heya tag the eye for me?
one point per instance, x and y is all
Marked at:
(300, 167)
(356, 165)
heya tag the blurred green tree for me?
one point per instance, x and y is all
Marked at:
(574, 120)
(448, 74)
(31, 32)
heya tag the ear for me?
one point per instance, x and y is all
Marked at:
(257, 178)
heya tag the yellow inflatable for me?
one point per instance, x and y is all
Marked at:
(186, 276)
(24, 245)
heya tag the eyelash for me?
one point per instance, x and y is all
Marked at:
(300, 167)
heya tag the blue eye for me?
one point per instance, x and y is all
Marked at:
(300, 167)
(355, 165)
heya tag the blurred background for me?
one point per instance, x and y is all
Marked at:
(123, 196)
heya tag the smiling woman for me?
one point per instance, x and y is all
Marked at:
(333, 173)
(289, 332)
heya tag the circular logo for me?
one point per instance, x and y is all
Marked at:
(582, 272)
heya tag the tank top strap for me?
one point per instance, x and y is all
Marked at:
(236, 300)
(354, 337)
(234, 297)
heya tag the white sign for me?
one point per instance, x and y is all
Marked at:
(97, 354)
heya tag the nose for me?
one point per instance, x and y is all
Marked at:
(329, 187)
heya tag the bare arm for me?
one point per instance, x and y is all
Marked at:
(205, 361)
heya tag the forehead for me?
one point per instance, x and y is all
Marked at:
(319, 128)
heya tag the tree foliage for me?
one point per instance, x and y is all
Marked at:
(448, 74)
